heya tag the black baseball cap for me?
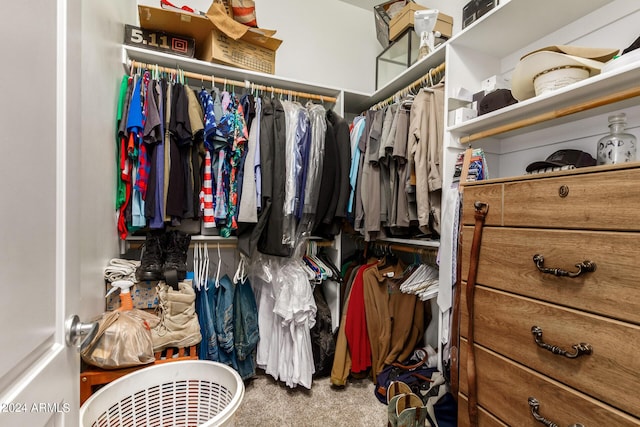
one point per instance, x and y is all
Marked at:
(495, 100)
(577, 158)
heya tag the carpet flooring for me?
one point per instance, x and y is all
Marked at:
(268, 403)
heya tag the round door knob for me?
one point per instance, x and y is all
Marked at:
(79, 334)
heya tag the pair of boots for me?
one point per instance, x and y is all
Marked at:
(408, 409)
(164, 253)
(178, 326)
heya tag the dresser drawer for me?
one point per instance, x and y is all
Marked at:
(506, 262)
(485, 419)
(504, 388)
(601, 201)
(490, 194)
(503, 323)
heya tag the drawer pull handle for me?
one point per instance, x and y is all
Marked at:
(583, 267)
(535, 407)
(580, 349)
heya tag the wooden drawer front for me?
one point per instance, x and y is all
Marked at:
(503, 324)
(491, 194)
(504, 388)
(602, 201)
(485, 419)
(506, 262)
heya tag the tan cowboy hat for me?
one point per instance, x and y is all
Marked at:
(552, 58)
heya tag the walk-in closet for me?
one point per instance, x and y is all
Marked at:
(343, 213)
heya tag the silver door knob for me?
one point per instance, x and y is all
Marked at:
(79, 334)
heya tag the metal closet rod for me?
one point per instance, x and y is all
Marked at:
(411, 249)
(220, 80)
(407, 89)
(405, 248)
(555, 114)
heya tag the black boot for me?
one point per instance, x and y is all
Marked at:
(152, 258)
(176, 249)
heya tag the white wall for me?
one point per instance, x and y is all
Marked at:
(101, 41)
(327, 42)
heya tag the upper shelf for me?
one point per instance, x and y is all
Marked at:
(502, 30)
(587, 98)
(209, 68)
(358, 101)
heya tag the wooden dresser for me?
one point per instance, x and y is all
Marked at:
(569, 221)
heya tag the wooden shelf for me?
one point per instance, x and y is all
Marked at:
(573, 97)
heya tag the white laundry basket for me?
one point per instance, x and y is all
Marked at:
(180, 393)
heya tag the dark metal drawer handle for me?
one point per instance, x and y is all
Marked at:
(580, 349)
(535, 407)
(583, 267)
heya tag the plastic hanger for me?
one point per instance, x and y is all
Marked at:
(241, 276)
(218, 269)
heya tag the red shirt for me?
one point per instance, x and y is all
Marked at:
(355, 327)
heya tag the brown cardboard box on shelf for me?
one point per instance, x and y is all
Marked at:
(404, 20)
(143, 294)
(217, 39)
(382, 19)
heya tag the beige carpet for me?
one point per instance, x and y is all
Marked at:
(268, 403)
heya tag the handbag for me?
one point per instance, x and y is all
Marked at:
(427, 383)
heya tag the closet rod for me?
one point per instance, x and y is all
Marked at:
(419, 82)
(220, 80)
(211, 245)
(406, 248)
(412, 249)
(323, 244)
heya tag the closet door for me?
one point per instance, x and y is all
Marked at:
(39, 175)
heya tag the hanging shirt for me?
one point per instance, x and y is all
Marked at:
(247, 210)
(206, 101)
(356, 133)
(257, 167)
(180, 138)
(157, 216)
(239, 136)
(144, 165)
(341, 130)
(122, 99)
(135, 127)
(152, 137)
(304, 139)
(425, 147)
(384, 162)
(196, 151)
(293, 168)
(356, 326)
(315, 164)
(206, 195)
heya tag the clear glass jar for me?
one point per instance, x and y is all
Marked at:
(618, 146)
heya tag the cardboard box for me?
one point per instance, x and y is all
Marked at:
(383, 17)
(218, 47)
(404, 20)
(494, 82)
(254, 50)
(143, 294)
(461, 115)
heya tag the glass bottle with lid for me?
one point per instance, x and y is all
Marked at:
(617, 146)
